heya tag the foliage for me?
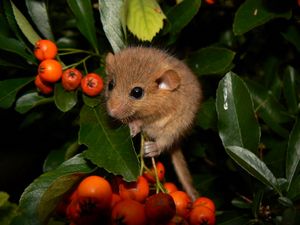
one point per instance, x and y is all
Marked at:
(244, 151)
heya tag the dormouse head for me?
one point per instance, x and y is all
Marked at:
(140, 84)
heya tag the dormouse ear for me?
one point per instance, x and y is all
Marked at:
(169, 80)
(109, 59)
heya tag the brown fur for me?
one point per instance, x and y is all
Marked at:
(166, 111)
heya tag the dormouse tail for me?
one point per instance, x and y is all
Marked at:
(183, 173)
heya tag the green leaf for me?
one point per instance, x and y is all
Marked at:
(83, 12)
(64, 100)
(15, 46)
(268, 108)
(9, 89)
(292, 34)
(253, 165)
(236, 119)
(294, 189)
(54, 159)
(3, 198)
(24, 25)
(289, 89)
(257, 202)
(8, 63)
(37, 10)
(110, 14)
(92, 101)
(284, 201)
(241, 203)
(211, 60)
(293, 153)
(41, 197)
(8, 210)
(29, 101)
(254, 13)
(181, 14)
(207, 116)
(144, 18)
(232, 218)
(13, 24)
(108, 148)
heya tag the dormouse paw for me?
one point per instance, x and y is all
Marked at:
(135, 128)
(151, 149)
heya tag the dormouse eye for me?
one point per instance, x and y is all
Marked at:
(111, 85)
(137, 92)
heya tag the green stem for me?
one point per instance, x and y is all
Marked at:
(78, 63)
(69, 51)
(142, 154)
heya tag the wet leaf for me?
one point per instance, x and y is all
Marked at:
(254, 13)
(211, 60)
(236, 119)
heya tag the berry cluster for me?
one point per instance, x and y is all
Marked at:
(99, 200)
(50, 71)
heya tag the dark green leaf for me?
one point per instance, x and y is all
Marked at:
(83, 12)
(24, 25)
(233, 219)
(12, 22)
(41, 197)
(268, 108)
(181, 14)
(8, 63)
(236, 119)
(293, 153)
(284, 201)
(207, 116)
(289, 88)
(292, 34)
(253, 165)
(29, 101)
(8, 210)
(290, 216)
(275, 156)
(37, 10)
(240, 203)
(14, 46)
(9, 89)
(64, 100)
(108, 148)
(294, 190)
(211, 60)
(54, 159)
(111, 12)
(270, 73)
(253, 13)
(3, 198)
(92, 101)
(257, 202)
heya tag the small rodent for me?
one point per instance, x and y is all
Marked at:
(157, 94)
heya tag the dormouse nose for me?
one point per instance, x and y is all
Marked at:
(115, 109)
